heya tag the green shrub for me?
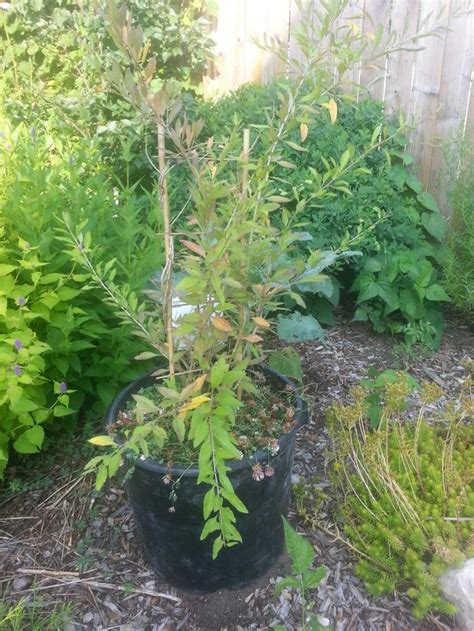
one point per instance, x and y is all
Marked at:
(60, 346)
(459, 262)
(54, 53)
(381, 210)
(405, 488)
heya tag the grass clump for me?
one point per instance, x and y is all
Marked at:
(405, 490)
(34, 615)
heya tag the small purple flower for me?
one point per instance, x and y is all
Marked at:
(20, 301)
(62, 387)
(18, 345)
(18, 370)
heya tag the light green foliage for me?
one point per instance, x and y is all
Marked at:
(459, 262)
(404, 489)
(303, 577)
(59, 345)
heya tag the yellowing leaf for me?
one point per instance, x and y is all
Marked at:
(265, 324)
(370, 35)
(102, 441)
(222, 324)
(303, 131)
(332, 107)
(197, 385)
(194, 247)
(194, 403)
(254, 339)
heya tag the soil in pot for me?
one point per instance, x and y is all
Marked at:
(167, 501)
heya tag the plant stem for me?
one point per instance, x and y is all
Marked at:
(167, 275)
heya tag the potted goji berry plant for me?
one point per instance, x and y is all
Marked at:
(210, 433)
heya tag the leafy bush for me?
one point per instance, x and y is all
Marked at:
(380, 210)
(54, 52)
(459, 262)
(405, 488)
(60, 347)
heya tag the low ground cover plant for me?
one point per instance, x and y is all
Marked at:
(404, 484)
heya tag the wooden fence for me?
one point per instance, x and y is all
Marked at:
(434, 84)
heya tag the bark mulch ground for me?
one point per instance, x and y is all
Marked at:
(63, 543)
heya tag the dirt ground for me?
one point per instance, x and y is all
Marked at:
(63, 543)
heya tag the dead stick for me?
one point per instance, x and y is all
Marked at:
(97, 585)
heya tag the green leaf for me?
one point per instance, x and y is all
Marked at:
(62, 410)
(289, 581)
(30, 441)
(295, 146)
(434, 224)
(146, 405)
(211, 525)
(113, 463)
(217, 547)
(312, 578)
(101, 477)
(179, 428)
(234, 501)
(300, 551)
(436, 292)
(428, 201)
(6, 269)
(159, 436)
(297, 328)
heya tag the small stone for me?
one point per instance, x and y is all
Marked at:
(22, 582)
(458, 587)
(295, 478)
(324, 622)
(88, 617)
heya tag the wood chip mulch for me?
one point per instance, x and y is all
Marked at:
(67, 544)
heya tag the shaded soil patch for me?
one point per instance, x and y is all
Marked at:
(65, 543)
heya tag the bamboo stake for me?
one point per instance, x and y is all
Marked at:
(245, 180)
(245, 160)
(167, 275)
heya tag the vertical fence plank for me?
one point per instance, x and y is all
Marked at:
(277, 27)
(426, 89)
(400, 68)
(377, 15)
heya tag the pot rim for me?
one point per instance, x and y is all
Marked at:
(179, 471)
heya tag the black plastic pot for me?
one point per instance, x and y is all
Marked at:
(171, 539)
